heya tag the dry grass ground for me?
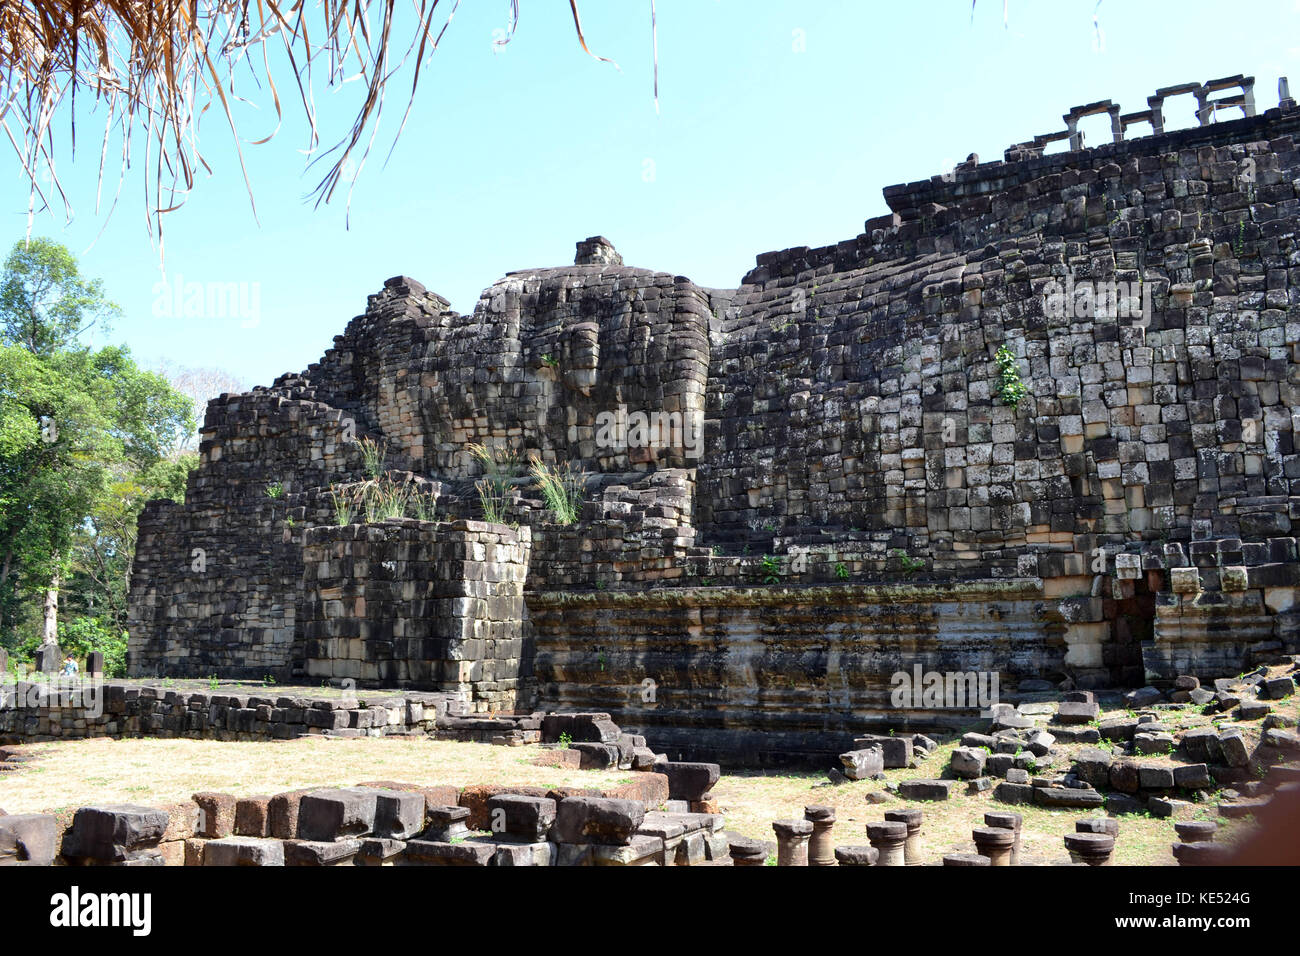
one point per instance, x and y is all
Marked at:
(752, 801)
(155, 771)
(160, 771)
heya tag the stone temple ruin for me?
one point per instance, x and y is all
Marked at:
(799, 487)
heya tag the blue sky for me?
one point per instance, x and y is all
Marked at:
(780, 123)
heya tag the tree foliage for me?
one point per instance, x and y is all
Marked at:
(86, 436)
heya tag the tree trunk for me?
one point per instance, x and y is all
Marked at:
(50, 631)
(4, 577)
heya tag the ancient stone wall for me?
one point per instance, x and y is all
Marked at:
(1074, 376)
(783, 676)
(214, 586)
(412, 603)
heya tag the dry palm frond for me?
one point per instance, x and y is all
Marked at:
(157, 67)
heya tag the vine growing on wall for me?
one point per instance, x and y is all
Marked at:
(1011, 390)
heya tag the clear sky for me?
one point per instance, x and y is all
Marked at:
(780, 123)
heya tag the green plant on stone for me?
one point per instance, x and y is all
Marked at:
(550, 361)
(500, 467)
(382, 498)
(565, 740)
(841, 571)
(213, 683)
(373, 454)
(344, 505)
(425, 505)
(275, 490)
(770, 569)
(562, 487)
(1010, 389)
(910, 564)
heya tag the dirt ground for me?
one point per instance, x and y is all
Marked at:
(160, 771)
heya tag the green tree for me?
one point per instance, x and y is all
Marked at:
(45, 304)
(84, 438)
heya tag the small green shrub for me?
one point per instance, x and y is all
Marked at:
(1011, 390)
(494, 488)
(562, 487)
(373, 454)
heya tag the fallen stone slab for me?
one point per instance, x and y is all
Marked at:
(1143, 697)
(1093, 766)
(1118, 728)
(1122, 803)
(30, 838)
(379, 852)
(399, 814)
(926, 789)
(595, 756)
(1196, 831)
(863, 764)
(1155, 777)
(580, 727)
(1192, 776)
(1247, 807)
(543, 853)
(1039, 743)
(1166, 807)
(327, 815)
(437, 853)
(1148, 744)
(1201, 854)
(1202, 744)
(521, 819)
(1097, 825)
(597, 820)
(252, 816)
(243, 851)
(1252, 710)
(856, 855)
(307, 853)
(282, 814)
(1067, 797)
(967, 763)
(1072, 712)
(1125, 776)
(1014, 793)
(1235, 749)
(898, 752)
(216, 814)
(1277, 688)
(1287, 740)
(644, 850)
(113, 833)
